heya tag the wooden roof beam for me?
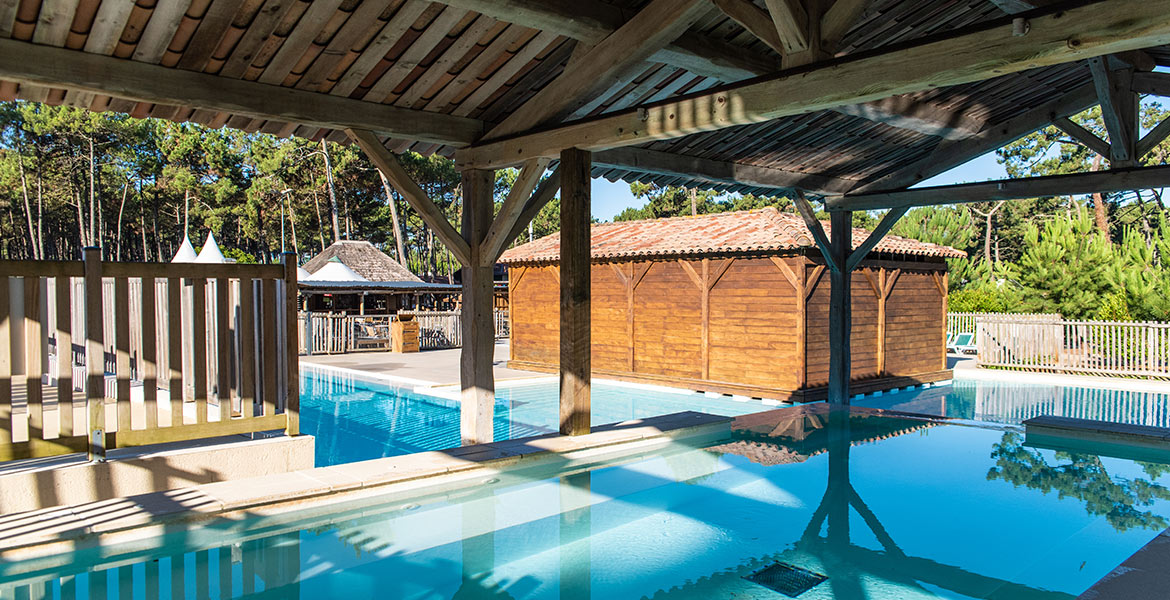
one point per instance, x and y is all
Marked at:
(514, 203)
(605, 63)
(1156, 135)
(1083, 136)
(754, 19)
(590, 21)
(30, 64)
(719, 172)
(1114, 180)
(389, 165)
(907, 112)
(1155, 84)
(792, 23)
(965, 56)
(1119, 106)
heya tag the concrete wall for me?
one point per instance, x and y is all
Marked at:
(34, 484)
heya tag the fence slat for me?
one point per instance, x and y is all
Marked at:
(6, 424)
(223, 347)
(149, 359)
(63, 337)
(32, 358)
(268, 310)
(1093, 347)
(176, 392)
(199, 347)
(122, 345)
(247, 348)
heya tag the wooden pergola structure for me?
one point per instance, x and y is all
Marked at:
(852, 101)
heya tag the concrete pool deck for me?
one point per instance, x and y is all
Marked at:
(430, 367)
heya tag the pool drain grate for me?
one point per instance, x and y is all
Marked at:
(787, 579)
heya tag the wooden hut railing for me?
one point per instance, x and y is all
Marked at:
(197, 351)
(331, 333)
(1129, 349)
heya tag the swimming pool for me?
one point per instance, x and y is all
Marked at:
(354, 418)
(880, 508)
(1015, 402)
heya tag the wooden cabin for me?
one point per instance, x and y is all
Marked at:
(735, 303)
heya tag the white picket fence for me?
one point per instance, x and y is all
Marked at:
(330, 333)
(1129, 349)
(964, 322)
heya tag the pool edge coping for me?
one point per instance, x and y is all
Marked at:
(41, 533)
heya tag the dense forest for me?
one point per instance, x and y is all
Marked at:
(70, 178)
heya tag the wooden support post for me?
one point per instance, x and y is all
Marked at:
(479, 389)
(840, 310)
(95, 369)
(575, 305)
(292, 398)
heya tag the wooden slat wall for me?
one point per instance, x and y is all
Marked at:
(754, 332)
(39, 310)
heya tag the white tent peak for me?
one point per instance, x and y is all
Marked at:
(210, 252)
(335, 271)
(302, 274)
(186, 253)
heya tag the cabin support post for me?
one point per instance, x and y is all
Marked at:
(840, 309)
(575, 301)
(475, 363)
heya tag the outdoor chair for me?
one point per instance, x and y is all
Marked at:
(964, 343)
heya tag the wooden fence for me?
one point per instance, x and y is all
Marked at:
(328, 333)
(1131, 349)
(198, 351)
(958, 322)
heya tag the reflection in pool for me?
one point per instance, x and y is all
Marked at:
(884, 508)
(1014, 403)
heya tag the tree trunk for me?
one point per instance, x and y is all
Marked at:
(32, 236)
(394, 219)
(320, 223)
(92, 196)
(1100, 215)
(121, 210)
(332, 193)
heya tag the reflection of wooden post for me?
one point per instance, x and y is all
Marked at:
(575, 529)
(575, 343)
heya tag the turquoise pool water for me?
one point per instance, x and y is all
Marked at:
(356, 419)
(1014, 403)
(882, 508)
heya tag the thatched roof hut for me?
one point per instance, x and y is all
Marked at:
(364, 259)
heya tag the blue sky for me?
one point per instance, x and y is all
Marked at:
(610, 199)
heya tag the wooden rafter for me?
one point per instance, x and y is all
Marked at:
(816, 229)
(1157, 84)
(546, 191)
(883, 227)
(605, 63)
(754, 19)
(1082, 135)
(791, 21)
(591, 21)
(30, 64)
(1118, 110)
(1156, 135)
(514, 203)
(1114, 180)
(837, 21)
(389, 165)
(963, 57)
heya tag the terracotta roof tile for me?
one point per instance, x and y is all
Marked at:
(762, 230)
